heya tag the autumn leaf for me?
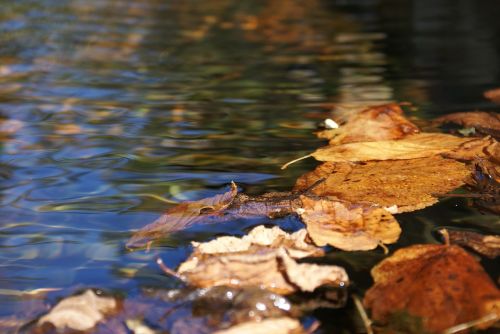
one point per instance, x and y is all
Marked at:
(412, 147)
(269, 264)
(485, 179)
(478, 148)
(81, 312)
(282, 325)
(183, 216)
(443, 285)
(376, 123)
(487, 245)
(493, 95)
(402, 185)
(348, 226)
(484, 122)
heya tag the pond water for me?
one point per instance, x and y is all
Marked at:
(104, 103)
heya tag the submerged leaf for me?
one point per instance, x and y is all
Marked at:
(80, 312)
(487, 245)
(348, 226)
(401, 185)
(384, 122)
(415, 146)
(485, 122)
(183, 216)
(443, 285)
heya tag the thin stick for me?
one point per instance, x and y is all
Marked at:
(362, 313)
(466, 325)
(167, 270)
(446, 236)
(294, 161)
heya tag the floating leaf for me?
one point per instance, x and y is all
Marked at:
(182, 216)
(486, 180)
(348, 226)
(283, 325)
(376, 123)
(415, 146)
(485, 122)
(493, 95)
(80, 312)
(265, 266)
(485, 148)
(443, 285)
(401, 185)
(487, 245)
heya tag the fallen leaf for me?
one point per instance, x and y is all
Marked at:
(484, 122)
(487, 245)
(443, 285)
(183, 216)
(485, 179)
(283, 325)
(407, 184)
(265, 267)
(412, 147)
(493, 95)
(80, 312)
(478, 148)
(348, 226)
(376, 123)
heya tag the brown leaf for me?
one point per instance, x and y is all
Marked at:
(415, 146)
(268, 267)
(485, 122)
(443, 285)
(493, 95)
(283, 325)
(485, 148)
(486, 181)
(348, 226)
(376, 123)
(183, 216)
(408, 184)
(487, 245)
(80, 312)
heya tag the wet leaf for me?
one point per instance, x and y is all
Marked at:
(80, 312)
(281, 325)
(487, 245)
(376, 123)
(183, 216)
(412, 147)
(486, 181)
(266, 267)
(443, 285)
(484, 148)
(401, 185)
(348, 226)
(484, 122)
(493, 95)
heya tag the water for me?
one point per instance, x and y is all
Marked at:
(105, 101)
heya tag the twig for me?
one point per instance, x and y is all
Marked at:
(167, 270)
(446, 236)
(294, 161)
(466, 325)
(362, 314)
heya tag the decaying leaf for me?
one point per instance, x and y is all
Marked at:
(80, 312)
(493, 95)
(266, 267)
(261, 236)
(478, 148)
(182, 216)
(412, 147)
(443, 285)
(484, 122)
(401, 185)
(485, 180)
(283, 325)
(487, 245)
(348, 226)
(384, 122)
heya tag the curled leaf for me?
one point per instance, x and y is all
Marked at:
(487, 245)
(443, 285)
(400, 185)
(485, 122)
(348, 226)
(486, 181)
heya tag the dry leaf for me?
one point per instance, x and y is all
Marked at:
(348, 226)
(183, 216)
(80, 312)
(493, 95)
(487, 245)
(485, 148)
(264, 267)
(283, 325)
(408, 184)
(443, 285)
(415, 146)
(485, 122)
(376, 123)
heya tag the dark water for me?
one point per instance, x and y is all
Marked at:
(103, 102)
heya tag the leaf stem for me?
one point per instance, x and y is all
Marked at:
(294, 161)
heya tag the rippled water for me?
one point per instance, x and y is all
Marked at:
(106, 102)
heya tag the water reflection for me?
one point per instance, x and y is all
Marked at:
(104, 101)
